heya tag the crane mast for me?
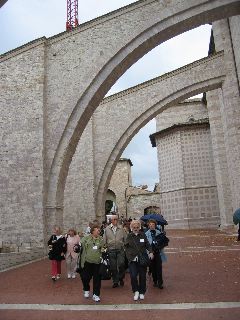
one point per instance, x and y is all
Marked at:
(72, 14)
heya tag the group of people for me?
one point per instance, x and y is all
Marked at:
(125, 247)
(61, 247)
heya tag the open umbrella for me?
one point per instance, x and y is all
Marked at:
(158, 217)
(236, 216)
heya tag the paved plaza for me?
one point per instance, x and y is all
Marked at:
(201, 281)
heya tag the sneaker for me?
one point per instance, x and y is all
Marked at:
(141, 296)
(115, 285)
(86, 294)
(73, 276)
(136, 296)
(96, 298)
(54, 278)
(160, 286)
(69, 275)
(58, 276)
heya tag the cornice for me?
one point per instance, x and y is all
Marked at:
(100, 20)
(187, 125)
(23, 48)
(161, 78)
(81, 28)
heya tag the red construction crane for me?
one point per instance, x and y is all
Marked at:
(72, 14)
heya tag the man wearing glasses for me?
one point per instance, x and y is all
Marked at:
(114, 239)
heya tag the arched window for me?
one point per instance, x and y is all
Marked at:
(152, 209)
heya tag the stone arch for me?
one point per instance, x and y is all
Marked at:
(111, 195)
(185, 90)
(185, 17)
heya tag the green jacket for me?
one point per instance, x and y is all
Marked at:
(92, 250)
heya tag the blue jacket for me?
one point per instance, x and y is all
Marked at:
(150, 240)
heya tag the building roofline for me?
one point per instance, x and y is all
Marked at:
(189, 124)
(126, 159)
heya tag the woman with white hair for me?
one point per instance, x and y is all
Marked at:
(137, 250)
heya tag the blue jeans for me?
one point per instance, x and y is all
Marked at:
(138, 277)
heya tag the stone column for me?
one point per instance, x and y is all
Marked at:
(220, 158)
(230, 108)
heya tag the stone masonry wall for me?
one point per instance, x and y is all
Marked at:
(192, 109)
(79, 206)
(21, 130)
(137, 203)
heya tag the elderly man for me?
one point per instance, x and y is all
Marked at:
(114, 238)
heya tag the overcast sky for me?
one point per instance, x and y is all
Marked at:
(22, 21)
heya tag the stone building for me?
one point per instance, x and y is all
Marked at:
(131, 201)
(61, 140)
(187, 191)
(141, 201)
(189, 197)
(119, 184)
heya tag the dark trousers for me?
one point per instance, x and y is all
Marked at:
(156, 269)
(91, 270)
(117, 264)
(138, 277)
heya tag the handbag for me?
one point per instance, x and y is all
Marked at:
(50, 255)
(104, 271)
(77, 248)
(143, 259)
(104, 268)
(161, 241)
(79, 268)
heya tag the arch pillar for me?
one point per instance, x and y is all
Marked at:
(53, 217)
(229, 98)
(219, 157)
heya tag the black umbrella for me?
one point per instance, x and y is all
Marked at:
(157, 217)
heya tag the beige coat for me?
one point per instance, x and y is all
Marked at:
(113, 240)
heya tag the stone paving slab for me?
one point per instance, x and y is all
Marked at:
(190, 277)
(200, 314)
